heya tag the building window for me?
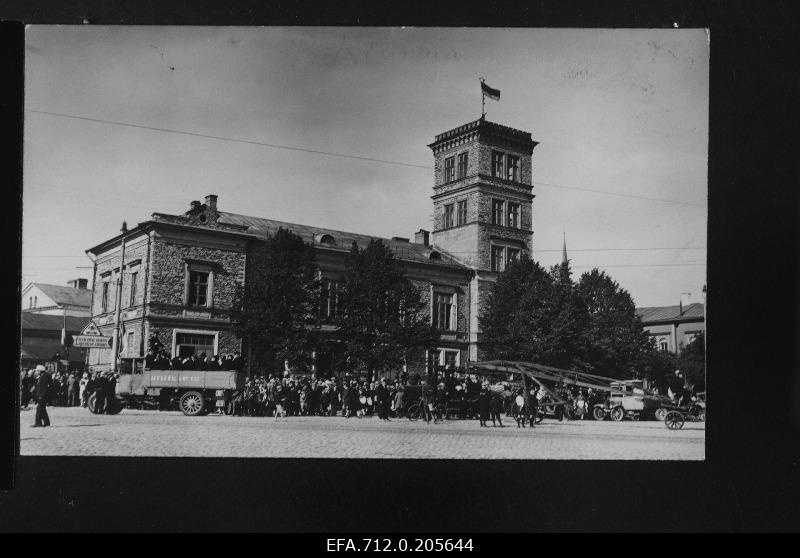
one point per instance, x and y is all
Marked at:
(450, 359)
(129, 348)
(449, 169)
(462, 165)
(198, 288)
(512, 255)
(497, 212)
(513, 215)
(497, 164)
(497, 258)
(442, 311)
(330, 299)
(104, 298)
(512, 168)
(664, 346)
(462, 212)
(448, 216)
(191, 343)
(134, 277)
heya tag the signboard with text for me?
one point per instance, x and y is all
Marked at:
(95, 341)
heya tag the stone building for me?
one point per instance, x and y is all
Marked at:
(673, 327)
(180, 271)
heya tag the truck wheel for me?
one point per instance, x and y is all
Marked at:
(90, 403)
(598, 413)
(617, 414)
(192, 403)
(661, 414)
(674, 420)
(116, 407)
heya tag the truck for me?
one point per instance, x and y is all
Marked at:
(197, 392)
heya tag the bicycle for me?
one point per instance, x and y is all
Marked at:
(417, 410)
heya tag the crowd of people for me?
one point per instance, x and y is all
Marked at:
(160, 360)
(68, 389)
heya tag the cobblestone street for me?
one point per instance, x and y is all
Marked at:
(75, 431)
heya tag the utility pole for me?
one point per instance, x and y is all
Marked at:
(118, 301)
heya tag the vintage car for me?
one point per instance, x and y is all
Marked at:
(628, 399)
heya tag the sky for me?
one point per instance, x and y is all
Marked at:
(330, 127)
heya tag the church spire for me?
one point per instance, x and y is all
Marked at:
(564, 260)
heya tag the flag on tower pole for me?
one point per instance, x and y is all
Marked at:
(490, 92)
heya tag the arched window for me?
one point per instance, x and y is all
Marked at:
(327, 239)
(434, 256)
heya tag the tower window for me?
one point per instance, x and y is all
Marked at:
(462, 212)
(497, 258)
(462, 165)
(448, 216)
(497, 212)
(512, 168)
(513, 215)
(449, 169)
(442, 311)
(497, 164)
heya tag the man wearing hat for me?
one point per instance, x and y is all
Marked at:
(382, 393)
(42, 393)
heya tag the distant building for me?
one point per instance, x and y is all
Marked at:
(73, 299)
(673, 327)
(181, 271)
(45, 310)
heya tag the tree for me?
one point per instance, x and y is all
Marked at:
(545, 317)
(530, 315)
(383, 319)
(692, 362)
(613, 336)
(274, 309)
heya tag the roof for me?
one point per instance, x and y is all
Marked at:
(44, 349)
(670, 313)
(66, 296)
(45, 322)
(403, 250)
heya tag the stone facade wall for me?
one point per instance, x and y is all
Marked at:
(105, 271)
(168, 284)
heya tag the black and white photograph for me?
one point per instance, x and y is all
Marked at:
(365, 243)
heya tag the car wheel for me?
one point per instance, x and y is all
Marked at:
(90, 401)
(598, 413)
(661, 413)
(192, 403)
(674, 420)
(413, 412)
(617, 414)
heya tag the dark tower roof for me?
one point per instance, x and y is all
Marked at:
(484, 130)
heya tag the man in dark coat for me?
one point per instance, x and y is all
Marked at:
(484, 401)
(43, 381)
(111, 394)
(99, 394)
(28, 385)
(382, 393)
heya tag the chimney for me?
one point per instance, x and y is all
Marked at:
(211, 202)
(685, 301)
(78, 283)
(422, 237)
